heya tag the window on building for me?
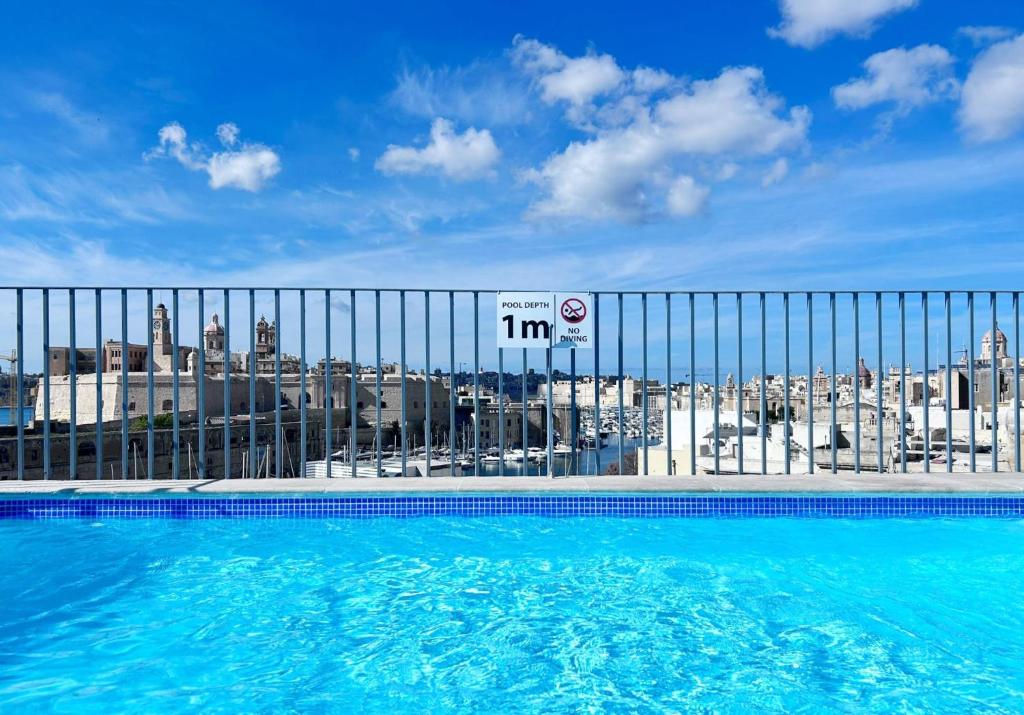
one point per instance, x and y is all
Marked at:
(415, 404)
(167, 405)
(359, 405)
(383, 405)
(131, 406)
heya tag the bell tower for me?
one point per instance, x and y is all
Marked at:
(161, 330)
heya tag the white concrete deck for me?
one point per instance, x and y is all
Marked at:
(937, 483)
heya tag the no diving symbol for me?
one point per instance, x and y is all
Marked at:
(574, 311)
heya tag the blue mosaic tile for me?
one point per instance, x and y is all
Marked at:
(654, 506)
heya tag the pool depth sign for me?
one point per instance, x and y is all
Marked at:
(542, 320)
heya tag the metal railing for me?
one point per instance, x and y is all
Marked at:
(287, 456)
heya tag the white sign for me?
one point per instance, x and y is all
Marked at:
(525, 320)
(544, 320)
(574, 320)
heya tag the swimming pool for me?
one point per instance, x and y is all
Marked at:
(514, 613)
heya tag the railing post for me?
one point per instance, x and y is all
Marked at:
(278, 434)
(763, 416)
(19, 412)
(995, 385)
(328, 387)
(404, 416)
(377, 382)
(693, 390)
(1016, 381)
(949, 382)
(124, 383)
(574, 437)
(621, 391)
(501, 412)
(452, 436)
(926, 390)
(302, 383)
(833, 394)
(643, 388)
(47, 457)
(525, 421)
(970, 379)
(717, 398)
(150, 407)
(100, 367)
(597, 385)
(810, 383)
(176, 418)
(73, 391)
(228, 388)
(739, 383)
(353, 388)
(903, 382)
(253, 451)
(785, 381)
(200, 378)
(880, 386)
(666, 410)
(856, 383)
(428, 441)
(476, 383)
(550, 418)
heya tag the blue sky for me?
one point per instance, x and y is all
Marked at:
(758, 145)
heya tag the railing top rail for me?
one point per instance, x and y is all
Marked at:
(470, 291)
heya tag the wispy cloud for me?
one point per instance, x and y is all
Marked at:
(483, 92)
(104, 198)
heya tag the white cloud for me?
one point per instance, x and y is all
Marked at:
(228, 134)
(353, 153)
(984, 34)
(623, 171)
(808, 23)
(908, 78)
(686, 197)
(992, 100)
(647, 80)
(776, 173)
(727, 170)
(576, 80)
(248, 167)
(469, 155)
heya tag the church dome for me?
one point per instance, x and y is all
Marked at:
(214, 326)
(262, 323)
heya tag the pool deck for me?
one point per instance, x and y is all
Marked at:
(935, 483)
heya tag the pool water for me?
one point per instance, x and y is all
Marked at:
(512, 614)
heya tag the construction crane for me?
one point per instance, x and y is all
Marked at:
(12, 389)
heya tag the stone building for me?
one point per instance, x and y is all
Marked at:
(136, 399)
